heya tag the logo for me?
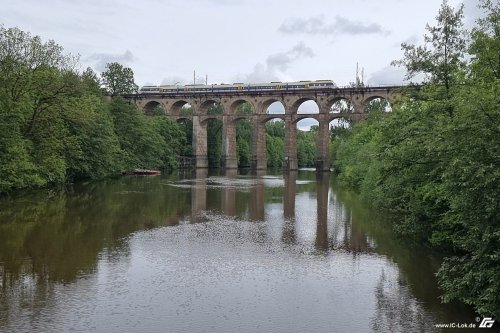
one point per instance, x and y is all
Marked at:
(487, 322)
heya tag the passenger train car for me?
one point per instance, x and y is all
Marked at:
(238, 87)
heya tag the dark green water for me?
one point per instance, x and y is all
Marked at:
(211, 253)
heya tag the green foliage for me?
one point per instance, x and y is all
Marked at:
(244, 133)
(377, 105)
(275, 143)
(186, 126)
(441, 59)
(118, 80)
(275, 151)
(485, 46)
(306, 148)
(276, 129)
(434, 161)
(55, 126)
(175, 140)
(143, 146)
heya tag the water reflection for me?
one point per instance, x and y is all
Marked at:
(289, 191)
(199, 195)
(322, 187)
(297, 252)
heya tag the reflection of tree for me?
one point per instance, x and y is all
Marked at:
(397, 310)
(59, 237)
(346, 233)
(356, 240)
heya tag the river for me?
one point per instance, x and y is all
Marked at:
(205, 252)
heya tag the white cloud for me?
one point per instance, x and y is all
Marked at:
(317, 25)
(387, 76)
(471, 13)
(277, 64)
(101, 59)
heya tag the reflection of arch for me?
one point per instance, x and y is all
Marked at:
(149, 107)
(177, 106)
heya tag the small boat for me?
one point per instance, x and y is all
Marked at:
(145, 172)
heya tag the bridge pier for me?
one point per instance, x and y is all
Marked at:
(291, 162)
(229, 156)
(200, 143)
(259, 157)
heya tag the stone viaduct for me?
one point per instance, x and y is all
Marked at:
(357, 97)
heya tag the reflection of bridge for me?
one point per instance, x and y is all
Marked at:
(200, 103)
(335, 226)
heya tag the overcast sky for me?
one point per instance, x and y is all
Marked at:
(163, 41)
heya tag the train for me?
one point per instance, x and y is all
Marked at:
(238, 87)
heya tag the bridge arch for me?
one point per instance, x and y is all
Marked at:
(305, 105)
(338, 123)
(204, 120)
(211, 106)
(182, 118)
(377, 103)
(273, 106)
(340, 104)
(178, 106)
(222, 108)
(305, 109)
(150, 106)
(241, 105)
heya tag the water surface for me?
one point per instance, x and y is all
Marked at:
(211, 253)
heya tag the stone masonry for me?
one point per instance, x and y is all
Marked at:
(260, 101)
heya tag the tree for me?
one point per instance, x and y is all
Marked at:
(306, 147)
(244, 130)
(471, 227)
(92, 81)
(485, 46)
(139, 138)
(275, 143)
(441, 58)
(438, 175)
(174, 137)
(36, 80)
(118, 80)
